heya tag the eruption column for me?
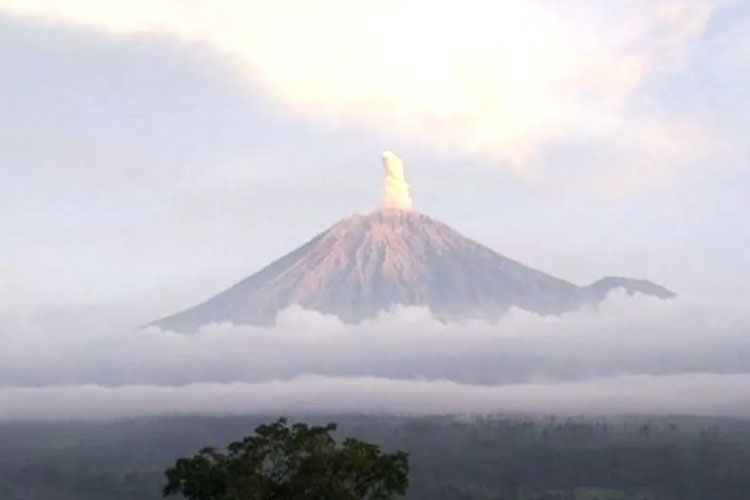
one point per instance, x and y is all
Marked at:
(395, 189)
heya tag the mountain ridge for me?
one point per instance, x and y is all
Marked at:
(367, 263)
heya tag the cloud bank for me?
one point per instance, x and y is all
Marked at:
(686, 394)
(631, 354)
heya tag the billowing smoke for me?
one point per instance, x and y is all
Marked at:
(395, 189)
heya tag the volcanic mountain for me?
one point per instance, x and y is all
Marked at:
(365, 264)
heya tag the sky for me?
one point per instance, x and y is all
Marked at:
(160, 145)
(153, 152)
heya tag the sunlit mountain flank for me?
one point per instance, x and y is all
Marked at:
(365, 264)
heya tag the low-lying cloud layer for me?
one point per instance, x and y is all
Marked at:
(688, 394)
(629, 354)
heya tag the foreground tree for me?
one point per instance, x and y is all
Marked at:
(291, 462)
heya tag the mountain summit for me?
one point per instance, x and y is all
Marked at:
(365, 264)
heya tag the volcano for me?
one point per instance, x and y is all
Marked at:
(366, 264)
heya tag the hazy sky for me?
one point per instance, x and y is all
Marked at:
(153, 152)
(164, 146)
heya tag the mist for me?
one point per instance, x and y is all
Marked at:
(694, 394)
(630, 354)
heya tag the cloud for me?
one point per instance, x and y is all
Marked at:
(676, 394)
(628, 351)
(504, 79)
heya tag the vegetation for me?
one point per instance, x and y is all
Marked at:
(450, 458)
(297, 462)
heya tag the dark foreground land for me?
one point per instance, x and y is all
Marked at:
(452, 458)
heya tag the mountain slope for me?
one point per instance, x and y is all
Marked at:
(368, 263)
(597, 290)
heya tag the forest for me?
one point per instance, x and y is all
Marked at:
(451, 457)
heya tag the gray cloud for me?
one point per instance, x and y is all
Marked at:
(624, 355)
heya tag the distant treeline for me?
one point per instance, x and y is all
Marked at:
(452, 458)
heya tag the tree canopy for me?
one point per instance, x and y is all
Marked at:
(282, 461)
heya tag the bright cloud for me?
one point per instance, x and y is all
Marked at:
(502, 78)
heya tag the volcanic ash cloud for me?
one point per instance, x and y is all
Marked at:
(395, 188)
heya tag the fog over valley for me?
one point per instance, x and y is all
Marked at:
(629, 354)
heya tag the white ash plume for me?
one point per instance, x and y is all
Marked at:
(395, 188)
